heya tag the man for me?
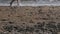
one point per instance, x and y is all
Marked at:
(13, 1)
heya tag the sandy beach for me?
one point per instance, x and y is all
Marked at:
(30, 20)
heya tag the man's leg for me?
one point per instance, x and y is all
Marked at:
(11, 2)
(18, 3)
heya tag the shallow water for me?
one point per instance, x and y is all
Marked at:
(32, 3)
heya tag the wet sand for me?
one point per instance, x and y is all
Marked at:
(17, 20)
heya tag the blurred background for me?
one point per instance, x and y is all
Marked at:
(32, 2)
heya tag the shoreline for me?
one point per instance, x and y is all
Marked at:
(30, 5)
